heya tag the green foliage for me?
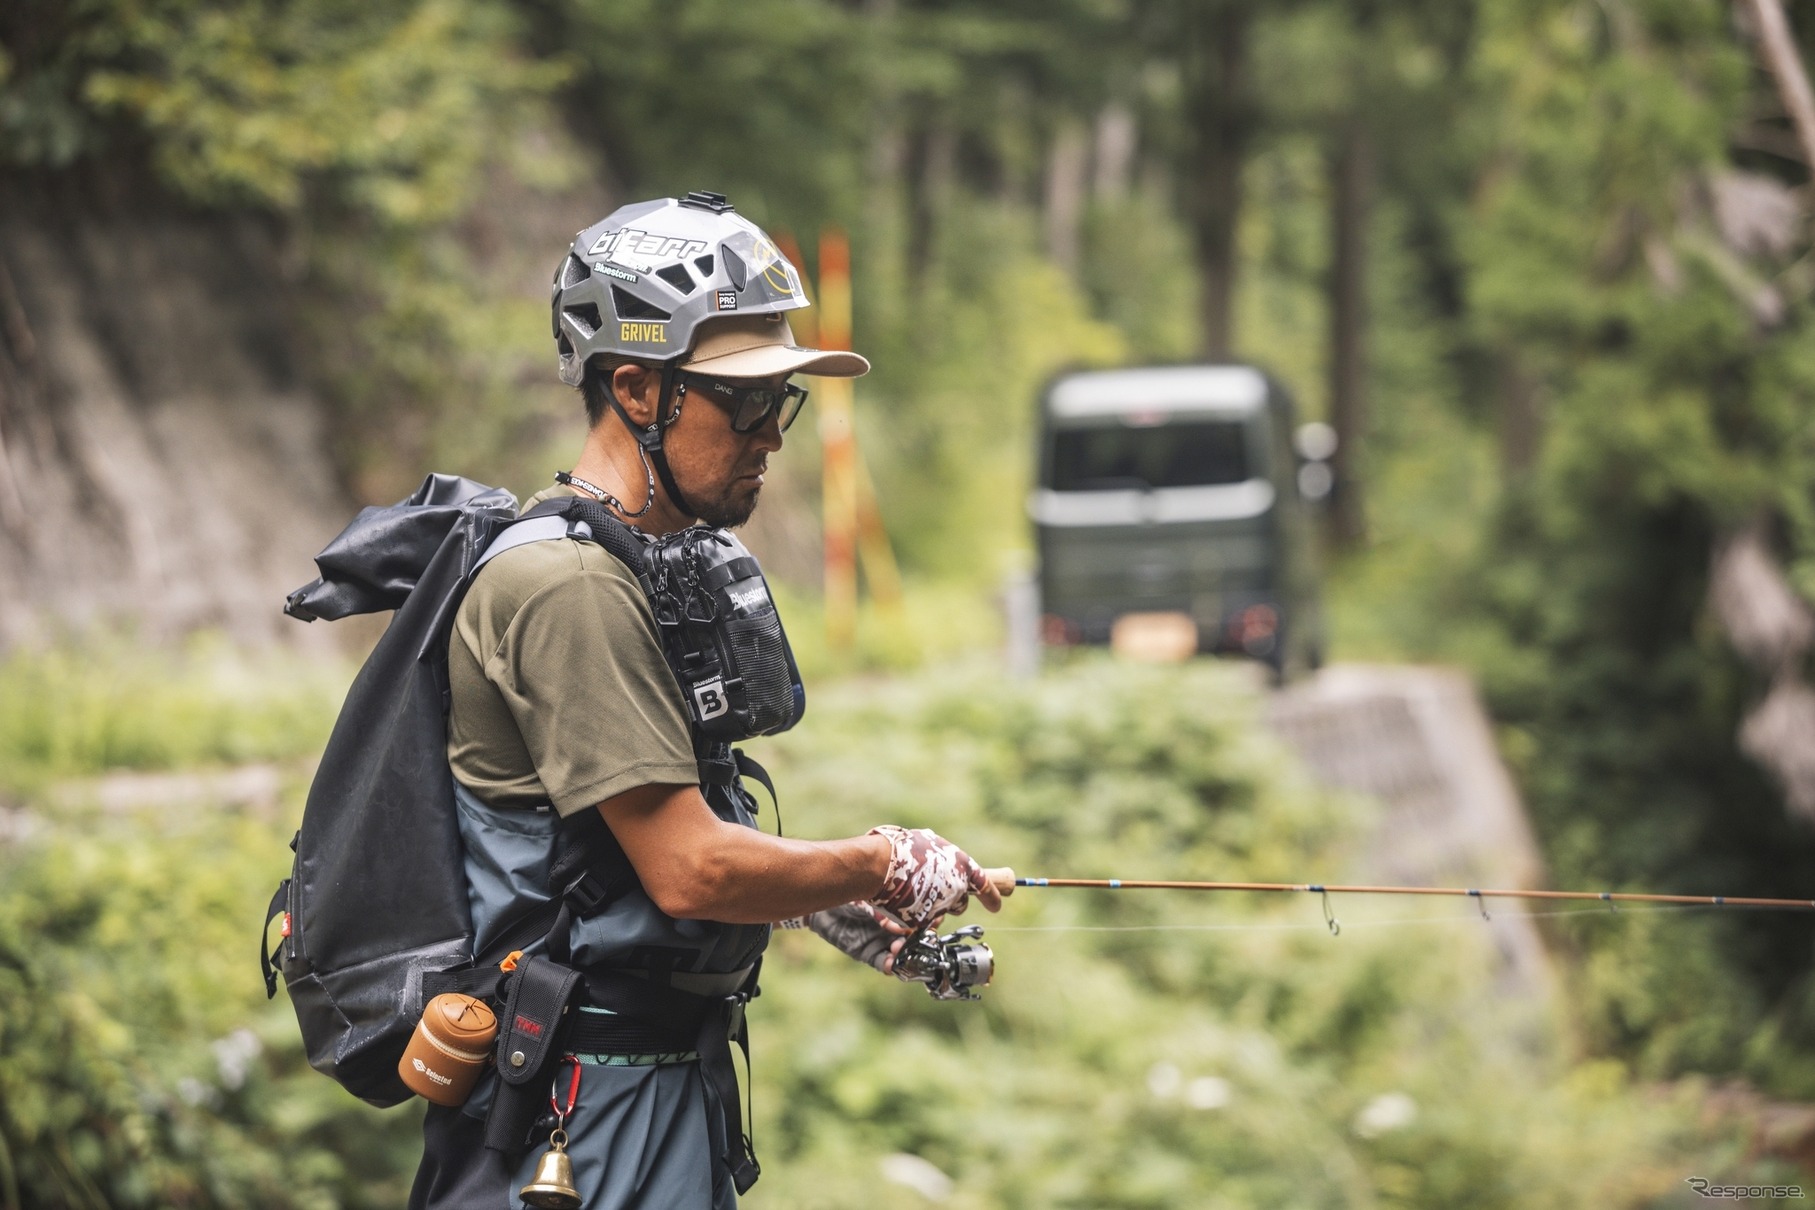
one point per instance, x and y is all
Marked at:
(371, 131)
(958, 428)
(1543, 224)
(933, 624)
(1131, 272)
(139, 1063)
(392, 106)
(73, 711)
(1673, 414)
(1231, 1066)
(778, 102)
(767, 101)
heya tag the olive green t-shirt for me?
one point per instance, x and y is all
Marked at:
(559, 690)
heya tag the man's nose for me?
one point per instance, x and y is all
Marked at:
(768, 437)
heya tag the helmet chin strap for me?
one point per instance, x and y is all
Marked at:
(650, 437)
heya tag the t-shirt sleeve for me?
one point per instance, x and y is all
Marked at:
(581, 673)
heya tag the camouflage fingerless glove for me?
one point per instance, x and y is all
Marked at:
(928, 875)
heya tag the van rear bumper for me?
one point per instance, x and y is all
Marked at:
(1245, 624)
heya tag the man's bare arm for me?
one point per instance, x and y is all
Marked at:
(695, 866)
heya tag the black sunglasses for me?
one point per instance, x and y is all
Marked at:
(750, 406)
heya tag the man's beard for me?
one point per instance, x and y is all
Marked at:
(730, 510)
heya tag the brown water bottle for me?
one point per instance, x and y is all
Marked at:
(449, 1048)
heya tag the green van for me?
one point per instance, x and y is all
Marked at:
(1179, 495)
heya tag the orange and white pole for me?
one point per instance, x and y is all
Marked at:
(837, 437)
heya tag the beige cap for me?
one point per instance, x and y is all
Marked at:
(762, 346)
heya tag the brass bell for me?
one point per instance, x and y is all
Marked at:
(552, 1187)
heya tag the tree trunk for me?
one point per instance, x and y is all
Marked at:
(1772, 628)
(1770, 625)
(1777, 46)
(1067, 174)
(1521, 416)
(1222, 117)
(931, 153)
(1351, 196)
(1066, 182)
(160, 464)
(1115, 140)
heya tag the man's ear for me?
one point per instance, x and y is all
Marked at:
(636, 388)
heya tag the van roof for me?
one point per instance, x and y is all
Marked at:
(1217, 389)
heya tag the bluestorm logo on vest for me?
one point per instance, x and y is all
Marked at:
(749, 599)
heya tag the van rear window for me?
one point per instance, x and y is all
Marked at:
(1186, 453)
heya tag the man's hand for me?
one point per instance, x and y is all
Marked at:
(872, 936)
(860, 932)
(929, 877)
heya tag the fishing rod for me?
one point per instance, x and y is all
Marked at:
(1320, 888)
(954, 965)
(1479, 894)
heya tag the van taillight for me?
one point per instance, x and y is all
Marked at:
(1254, 629)
(1055, 631)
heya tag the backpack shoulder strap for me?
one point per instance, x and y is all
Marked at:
(569, 517)
(521, 533)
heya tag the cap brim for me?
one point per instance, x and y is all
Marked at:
(767, 361)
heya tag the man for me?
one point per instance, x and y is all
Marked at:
(670, 319)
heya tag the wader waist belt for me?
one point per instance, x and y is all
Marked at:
(643, 1015)
(647, 1017)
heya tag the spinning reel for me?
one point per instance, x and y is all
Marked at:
(950, 966)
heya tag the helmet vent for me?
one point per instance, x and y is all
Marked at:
(678, 277)
(734, 265)
(574, 272)
(584, 316)
(704, 265)
(629, 306)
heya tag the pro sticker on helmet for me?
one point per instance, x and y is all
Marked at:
(727, 300)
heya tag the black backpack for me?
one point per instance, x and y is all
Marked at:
(375, 911)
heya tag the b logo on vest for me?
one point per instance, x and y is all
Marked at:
(709, 699)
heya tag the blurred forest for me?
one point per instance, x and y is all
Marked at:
(1545, 265)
